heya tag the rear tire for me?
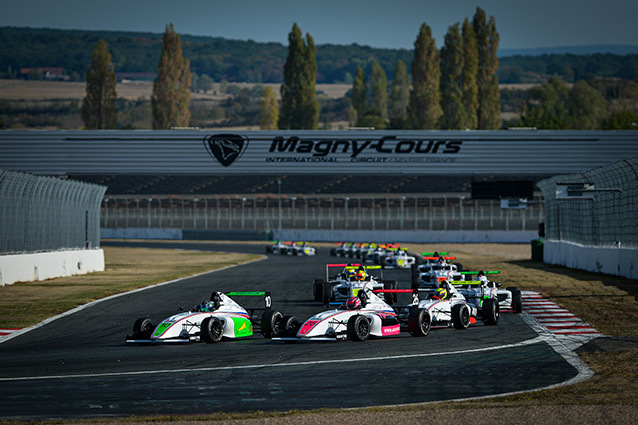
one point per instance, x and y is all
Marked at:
(328, 293)
(461, 316)
(317, 289)
(517, 299)
(333, 252)
(414, 277)
(490, 312)
(358, 328)
(270, 322)
(419, 322)
(211, 330)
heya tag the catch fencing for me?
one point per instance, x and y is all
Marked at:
(606, 215)
(47, 213)
(268, 212)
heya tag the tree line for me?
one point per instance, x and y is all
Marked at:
(248, 61)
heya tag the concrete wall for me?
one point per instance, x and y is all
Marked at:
(614, 261)
(47, 265)
(424, 236)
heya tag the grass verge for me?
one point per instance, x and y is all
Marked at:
(28, 303)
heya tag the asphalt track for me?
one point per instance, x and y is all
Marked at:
(78, 366)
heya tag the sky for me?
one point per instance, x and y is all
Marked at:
(377, 23)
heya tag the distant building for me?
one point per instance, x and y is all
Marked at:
(45, 73)
(135, 76)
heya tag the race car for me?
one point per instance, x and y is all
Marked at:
(397, 258)
(342, 250)
(446, 306)
(364, 315)
(291, 248)
(276, 248)
(351, 277)
(475, 291)
(434, 270)
(214, 319)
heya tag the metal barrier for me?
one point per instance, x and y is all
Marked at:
(47, 214)
(268, 212)
(604, 213)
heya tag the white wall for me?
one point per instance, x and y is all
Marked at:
(47, 265)
(614, 261)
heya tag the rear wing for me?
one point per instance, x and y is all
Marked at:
(265, 294)
(436, 258)
(434, 254)
(350, 266)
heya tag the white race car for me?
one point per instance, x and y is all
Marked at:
(352, 277)
(397, 258)
(291, 248)
(475, 291)
(435, 270)
(214, 319)
(371, 317)
(452, 309)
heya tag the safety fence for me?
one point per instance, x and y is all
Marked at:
(47, 213)
(596, 208)
(268, 212)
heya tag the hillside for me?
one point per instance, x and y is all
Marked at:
(249, 61)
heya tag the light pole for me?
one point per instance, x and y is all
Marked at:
(279, 191)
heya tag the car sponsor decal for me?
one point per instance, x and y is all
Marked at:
(391, 330)
(243, 327)
(307, 326)
(161, 328)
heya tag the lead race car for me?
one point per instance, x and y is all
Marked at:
(475, 291)
(214, 319)
(362, 316)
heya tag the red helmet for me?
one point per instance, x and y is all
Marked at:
(361, 275)
(353, 303)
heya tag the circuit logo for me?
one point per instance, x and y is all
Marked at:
(226, 148)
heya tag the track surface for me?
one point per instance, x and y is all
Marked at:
(78, 366)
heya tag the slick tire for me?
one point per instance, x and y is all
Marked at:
(270, 322)
(143, 328)
(490, 312)
(461, 316)
(289, 326)
(358, 328)
(327, 293)
(419, 322)
(517, 299)
(212, 330)
(317, 289)
(414, 276)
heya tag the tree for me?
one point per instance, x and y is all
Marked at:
(358, 99)
(469, 74)
(299, 105)
(454, 114)
(171, 88)
(379, 90)
(98, 108)
(399, 96)
(487, 39)
(269, 109)
(424, 108)
(586, 107)
(546, 108)
(621, 120)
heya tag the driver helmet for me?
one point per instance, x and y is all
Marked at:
(350, 274)
(440, 293)
(206, 306)
(353, 303)
(482, 277)
(361, 274)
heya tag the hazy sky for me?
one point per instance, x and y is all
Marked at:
(377, 23)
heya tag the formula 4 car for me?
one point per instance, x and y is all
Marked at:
(397, 258)
(351, 278)
(214, 319)
(435, 269)
(291, 248)
(276, 247)
(446, 306)
(364, 315)
(475, 291)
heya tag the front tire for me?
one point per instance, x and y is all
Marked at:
(288, 327)
(358, 328)
(461, 316)
(328, 293)
(517, 299)
(211, 330)
(143, 328)
(419, 322)
(317, 289)
(270, 322)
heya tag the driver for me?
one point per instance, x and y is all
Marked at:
(440, 294)
(353, 303)
(361, 274)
